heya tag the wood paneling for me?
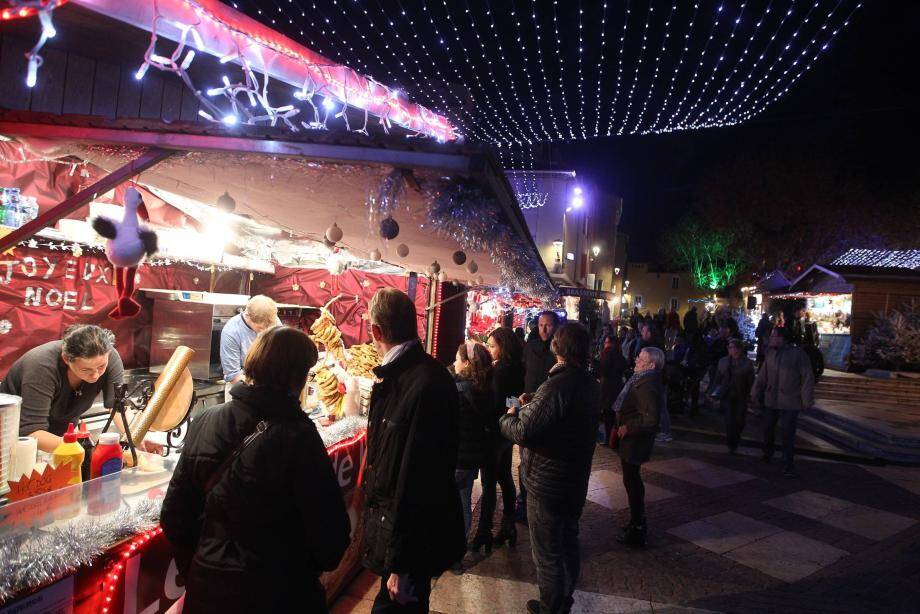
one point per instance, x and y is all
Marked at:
(78, 88)
(13, 91)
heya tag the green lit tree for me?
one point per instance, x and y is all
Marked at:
(707, 253)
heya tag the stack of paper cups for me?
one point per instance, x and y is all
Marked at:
(9, 433)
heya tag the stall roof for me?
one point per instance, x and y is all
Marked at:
(302, 182)
(772, 283)
(835, 279)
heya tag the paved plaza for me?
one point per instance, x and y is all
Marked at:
(727, 533)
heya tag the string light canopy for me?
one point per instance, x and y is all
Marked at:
(520, 72)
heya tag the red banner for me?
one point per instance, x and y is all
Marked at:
(43, 291)
(315, 287)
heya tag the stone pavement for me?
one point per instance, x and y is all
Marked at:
(726, 533)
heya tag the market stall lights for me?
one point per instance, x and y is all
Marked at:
(577, 189)
(578, 201)
(231, 120)
(596, 250)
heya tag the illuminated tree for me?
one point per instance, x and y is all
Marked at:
(707, 253)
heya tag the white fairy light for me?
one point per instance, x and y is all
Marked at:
(666, 35)
(635, 81)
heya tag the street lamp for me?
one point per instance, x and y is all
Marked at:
(616, 271)
(596, 250)
(557, 266)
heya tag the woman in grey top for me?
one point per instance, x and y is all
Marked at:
(59, 380)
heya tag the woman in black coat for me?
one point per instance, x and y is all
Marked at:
(638, 409)
(507, 382)
(473, 376)
(254, 508)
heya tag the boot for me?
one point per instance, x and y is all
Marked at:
(635, 535)
(507, 533)
(482, 540)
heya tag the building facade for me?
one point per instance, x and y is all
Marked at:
(651, 288)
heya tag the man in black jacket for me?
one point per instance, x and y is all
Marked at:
(556, 431)
(538, 357)
(538, 360)
(413, 521)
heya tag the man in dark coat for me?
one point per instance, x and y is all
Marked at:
(691, 322)
(639, 408)
(538, 360)
(556, 430)
(734, 379)
(413, 520)
(762, 333)
(785, 385)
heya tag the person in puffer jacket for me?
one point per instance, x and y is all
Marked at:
(556, 429)
(638, 410)
(273, 518)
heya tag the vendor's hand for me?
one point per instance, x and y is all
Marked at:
(622, 431)
(400, 589)
(512, 411)
(152, 447)
(525, 398)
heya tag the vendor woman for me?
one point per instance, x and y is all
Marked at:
(59, 380)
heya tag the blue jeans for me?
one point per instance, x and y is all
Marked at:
(790, 418)
(464, 479)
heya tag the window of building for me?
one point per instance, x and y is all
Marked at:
(598, 284)
(675, 283)
(675, 303)
(638, 301)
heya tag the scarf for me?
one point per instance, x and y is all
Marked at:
(636, 377)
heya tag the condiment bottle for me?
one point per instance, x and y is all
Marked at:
(107, 455)
(87, 444)
(69, 453)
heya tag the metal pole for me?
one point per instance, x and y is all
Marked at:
(68, 206)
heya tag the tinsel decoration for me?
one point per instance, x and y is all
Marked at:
(459, 257)
(36, 559)
(391, 191)
(459, 210)
(343, 429)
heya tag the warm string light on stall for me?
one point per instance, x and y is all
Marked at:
(84, 172)
(117, 569)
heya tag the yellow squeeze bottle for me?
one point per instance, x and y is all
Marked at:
(70, 453)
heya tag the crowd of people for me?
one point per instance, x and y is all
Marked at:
(255, 512)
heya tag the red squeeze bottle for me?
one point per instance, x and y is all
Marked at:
(107, 455)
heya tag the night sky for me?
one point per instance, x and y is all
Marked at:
(857, 108)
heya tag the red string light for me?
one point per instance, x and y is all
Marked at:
(113, 577)
(21, 13)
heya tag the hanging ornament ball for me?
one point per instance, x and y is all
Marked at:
(472, 267)
(479, 281)
(389, 228)
(375, 255)
(195, 280)
(434, 268)
(226, 203)
(402, 250)
(328, 243)
(459, 257)
(334, 233)
(442, 277)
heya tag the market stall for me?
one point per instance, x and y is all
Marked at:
(316, 218)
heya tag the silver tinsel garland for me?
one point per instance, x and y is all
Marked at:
(460, 210)
(343, 429)
(41, 557)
